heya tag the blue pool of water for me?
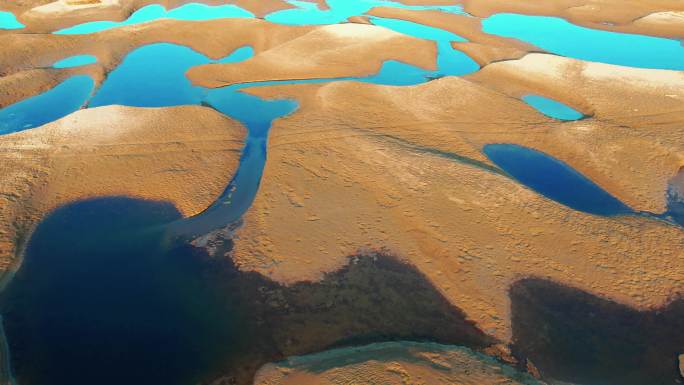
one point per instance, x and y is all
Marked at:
(191, 11)
(58, 102)
(9, 21)
(340, 10)
(75, 61)
(563, 38)
(552, 108)
(449, 61)
(154, 76)
(554, 179)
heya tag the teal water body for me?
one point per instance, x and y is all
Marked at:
(65, 98)
(340, 10)
(552, 108)
(133, 83)
(191, 11)
(564, 38)
(554, 179)
(9, 21)
(75, 61)
(450, 62)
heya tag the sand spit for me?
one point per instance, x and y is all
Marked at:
(420, 188)
(629, 16)
(331, 51)
(184, 155)
(633, 143)
(46, 16)
(391, 363)
(484, 48)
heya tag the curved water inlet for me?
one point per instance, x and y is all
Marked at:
(450, 62)
(554, 179)
(9, 21)
(552, 108)
(564, 38)
(65, 98)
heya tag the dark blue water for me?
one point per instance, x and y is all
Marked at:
(99, 301)
(65, 98)
(554, 179)
(191, 11)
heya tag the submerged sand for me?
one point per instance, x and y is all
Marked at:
(392, 363)
(403, 171)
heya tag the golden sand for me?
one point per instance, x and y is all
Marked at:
(184, 155)
(402, 170)
(332, 51)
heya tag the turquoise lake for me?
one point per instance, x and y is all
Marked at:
(450, 62)
(9, 21)
(564, 38)
(132, 83)
(191, 11)
(552, 108)
(65, 98)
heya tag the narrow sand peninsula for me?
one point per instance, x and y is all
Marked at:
(633, 144)
(391, 363)
(184, 155)
(330, 51)
(46, 16)
(340, 178)
(630, 16)
(484, 48)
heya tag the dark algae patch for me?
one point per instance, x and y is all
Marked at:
(103, 297)
(573, 336)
